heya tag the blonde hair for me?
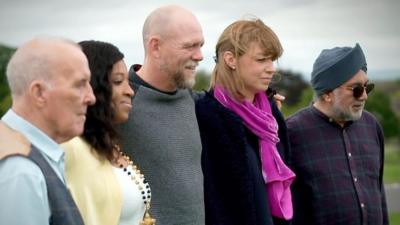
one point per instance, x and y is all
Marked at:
(237, 38)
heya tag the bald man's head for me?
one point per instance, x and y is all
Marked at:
(49, 82)
(165, 20)
(35, 60)
(172, 39)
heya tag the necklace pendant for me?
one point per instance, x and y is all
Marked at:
(147, 219)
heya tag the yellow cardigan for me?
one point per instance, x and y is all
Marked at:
(92, 183)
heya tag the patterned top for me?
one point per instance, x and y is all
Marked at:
(339, 170)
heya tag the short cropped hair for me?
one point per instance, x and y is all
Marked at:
(32, 62)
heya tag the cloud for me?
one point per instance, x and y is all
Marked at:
(305, 27)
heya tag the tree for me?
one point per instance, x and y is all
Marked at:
(379, 104)
(291, 86)
(5, 99)
(306, 97)
(202, 81)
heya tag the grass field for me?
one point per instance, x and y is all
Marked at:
(394, 219)
(392, 171)
(392, 162)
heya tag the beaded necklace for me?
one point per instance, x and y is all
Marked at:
(144, 187)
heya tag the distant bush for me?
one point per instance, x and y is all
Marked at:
(291, 86)
(379, 104)
(5, 99)
(305, 97)
(202, 81)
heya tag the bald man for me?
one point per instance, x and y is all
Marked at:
(49, 83)
(162, 134)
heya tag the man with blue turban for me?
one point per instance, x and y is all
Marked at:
(337, 146)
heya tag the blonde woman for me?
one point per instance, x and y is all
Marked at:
(243, 133)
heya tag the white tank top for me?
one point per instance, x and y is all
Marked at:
(133, 206)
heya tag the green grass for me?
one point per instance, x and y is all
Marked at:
(392, 171)
(394, 218)
(392, 162)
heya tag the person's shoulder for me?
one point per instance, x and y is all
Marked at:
(299, 115)
(20, 167)
(302, 119)
(368, 116)
(75, 149)
(197, 95)
(75, 144)
(22, 182)
(210, 110)
(207, 103)
(78, 152)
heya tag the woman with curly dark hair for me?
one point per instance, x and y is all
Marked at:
(105, 184)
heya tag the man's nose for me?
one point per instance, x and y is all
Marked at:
(197, 56)
(90, 99)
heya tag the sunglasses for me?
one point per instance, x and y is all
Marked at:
(358, 90)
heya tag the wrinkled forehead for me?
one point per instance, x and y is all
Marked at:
(70, 62)
(186, 35)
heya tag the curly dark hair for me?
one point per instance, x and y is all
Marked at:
(100, 132)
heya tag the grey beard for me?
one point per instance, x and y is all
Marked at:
(183, 83)
(347, 116)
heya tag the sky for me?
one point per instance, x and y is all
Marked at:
(304, 27)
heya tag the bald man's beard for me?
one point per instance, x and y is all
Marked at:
(178, 76)
(183, 82)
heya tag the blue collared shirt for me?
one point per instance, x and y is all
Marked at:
(23, 192)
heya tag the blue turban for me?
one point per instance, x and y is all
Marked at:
(335, 66)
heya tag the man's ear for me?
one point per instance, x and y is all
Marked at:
(327, 96)
(230, 59)
(154, 45)
(38, 92)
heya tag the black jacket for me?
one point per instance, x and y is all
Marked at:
(234, 189)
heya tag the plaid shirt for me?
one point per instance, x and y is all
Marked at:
(339, 170)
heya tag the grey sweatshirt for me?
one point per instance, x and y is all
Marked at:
(162, 137)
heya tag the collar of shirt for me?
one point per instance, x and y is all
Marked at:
(136, 79)
(49, 148)
(329, 119)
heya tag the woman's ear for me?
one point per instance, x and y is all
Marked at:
(230, 60)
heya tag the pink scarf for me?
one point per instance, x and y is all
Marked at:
(259, 119)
